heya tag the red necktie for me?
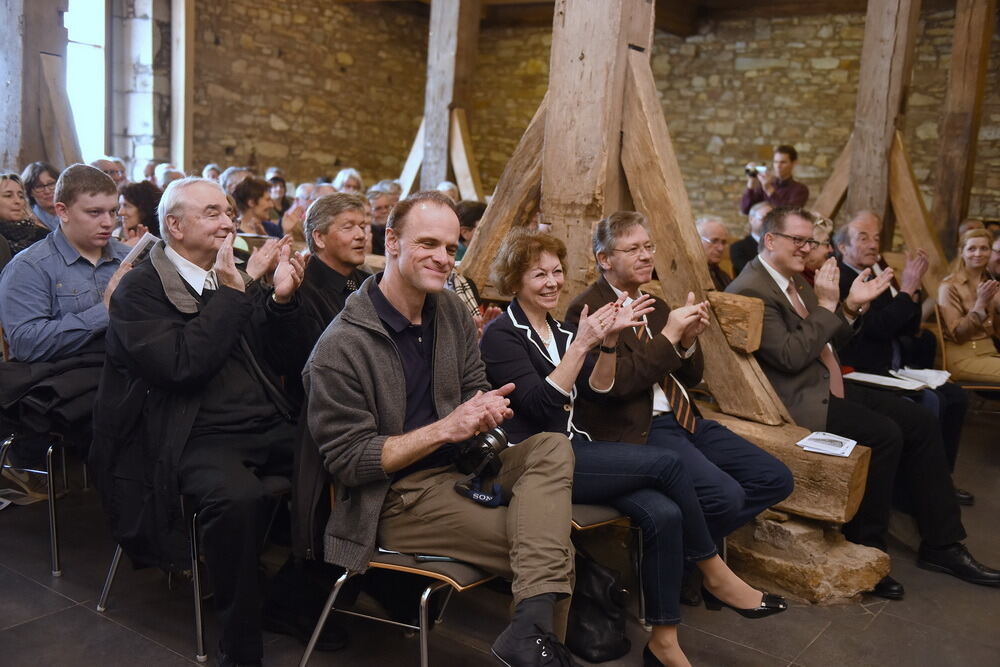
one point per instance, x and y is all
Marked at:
(826, 356)
(678, 400)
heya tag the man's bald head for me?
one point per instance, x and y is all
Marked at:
(858, 241)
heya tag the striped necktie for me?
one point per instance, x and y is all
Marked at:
(676, 396)
(826, 356)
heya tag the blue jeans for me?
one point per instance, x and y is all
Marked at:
(651, 486)
(735, 480)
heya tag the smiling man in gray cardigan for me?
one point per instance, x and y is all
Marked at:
(394, 384)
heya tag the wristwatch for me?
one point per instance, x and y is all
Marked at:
(608, 350)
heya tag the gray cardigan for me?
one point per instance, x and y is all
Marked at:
(356, 397)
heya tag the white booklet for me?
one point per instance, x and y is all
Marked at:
(141, 248)
(832, 444)
(931, 377)
(888, 381)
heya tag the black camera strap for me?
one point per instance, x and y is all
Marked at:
(471, 488)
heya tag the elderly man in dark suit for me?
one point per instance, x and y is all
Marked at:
(648, 402)
(796, 354)
(891, 337)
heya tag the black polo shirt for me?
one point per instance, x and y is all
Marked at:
(415, 345)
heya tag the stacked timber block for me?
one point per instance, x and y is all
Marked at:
(798, 550)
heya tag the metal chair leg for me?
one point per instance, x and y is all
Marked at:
(53, 526)
(327, 608)
(102, 602)
(65, 471)
(424, 625)
(199, 627)
(4, 448)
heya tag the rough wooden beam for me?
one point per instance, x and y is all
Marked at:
(886, 59)
(463, 161)
(451, 57)
(408, 179)
(835, 189)
(912, 217)
(514, 203)
(657, 187)
(59, 130)
(970, 55)
(582, 180)
(741, 318)
(182, 37)
(828, 488)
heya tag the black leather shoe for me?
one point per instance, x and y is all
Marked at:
(958, 562)
(650, 660)
(888, 588)
(769, 605)
(538, 649)
(964, 497)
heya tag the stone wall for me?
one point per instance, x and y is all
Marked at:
(309, 85)
(140, 124)
(739, 87)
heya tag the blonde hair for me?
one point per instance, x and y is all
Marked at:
(11, 176)
(975, 233)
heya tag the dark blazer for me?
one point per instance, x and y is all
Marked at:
(625, 413)
(790, 345)
(741, 252)
(513, 352)
(889, 318)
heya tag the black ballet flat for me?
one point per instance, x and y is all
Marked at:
(650, 660)
(769, 605)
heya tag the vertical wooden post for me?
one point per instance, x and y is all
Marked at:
(886, 61)
(451, 54)
(582, 178)
(182, 83)
(974, 21)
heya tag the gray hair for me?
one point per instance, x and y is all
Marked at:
(755, 210)
(322, 212)
(347, 173)
(172, 201)
(228, 179)
(704, 220)
(209, 167)
(611, 228)
(386, 186)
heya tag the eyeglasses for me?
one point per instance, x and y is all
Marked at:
(634, 251)
(721, 242)
(48, 187)
(799, 241)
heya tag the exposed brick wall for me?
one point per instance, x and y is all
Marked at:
(739, 87)
(314, 86)
(309, 85)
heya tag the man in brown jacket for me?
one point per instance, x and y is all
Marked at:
(648, 403)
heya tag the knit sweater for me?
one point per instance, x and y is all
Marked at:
(356, 397)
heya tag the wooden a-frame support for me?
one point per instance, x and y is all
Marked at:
(599, 143)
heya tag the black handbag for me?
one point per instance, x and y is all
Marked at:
(596, 628)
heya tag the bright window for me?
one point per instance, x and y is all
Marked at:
(85, 73)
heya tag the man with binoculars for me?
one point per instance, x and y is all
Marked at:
(396, 391)
(778, 188)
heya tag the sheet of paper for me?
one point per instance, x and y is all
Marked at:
(888, 381)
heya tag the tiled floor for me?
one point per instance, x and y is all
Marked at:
(52, 621)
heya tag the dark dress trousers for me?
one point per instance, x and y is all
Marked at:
(904, 437)
(735, 480)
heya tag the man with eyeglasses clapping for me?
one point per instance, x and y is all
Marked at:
(802, 326)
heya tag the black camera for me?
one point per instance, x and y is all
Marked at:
(480, 454)
(752, 172)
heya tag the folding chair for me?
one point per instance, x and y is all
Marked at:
(275, 486)
(451, 574)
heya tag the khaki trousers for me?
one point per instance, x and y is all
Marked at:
(527, 541)
(974, 361)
